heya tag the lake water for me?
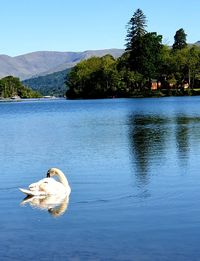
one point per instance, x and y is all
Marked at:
(134, 169)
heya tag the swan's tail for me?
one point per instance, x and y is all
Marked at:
(32, 193)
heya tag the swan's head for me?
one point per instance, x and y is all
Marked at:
(60, 175)
(52, 172)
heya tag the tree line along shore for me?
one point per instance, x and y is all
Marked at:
(147, 67)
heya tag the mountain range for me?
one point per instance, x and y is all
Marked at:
(46, 62)
(41, 63)
(46, 71)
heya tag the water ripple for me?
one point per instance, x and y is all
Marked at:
(8, 188)
(108, 200)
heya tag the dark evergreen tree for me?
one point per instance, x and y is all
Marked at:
(134, 46)
(144, 48)
(179, 40)
(136, 29)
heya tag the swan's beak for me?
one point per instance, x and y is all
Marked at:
(48, 174)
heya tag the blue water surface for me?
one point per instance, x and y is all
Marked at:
(133, 166)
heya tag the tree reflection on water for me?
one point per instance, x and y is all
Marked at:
(158, 140)
(148, 136)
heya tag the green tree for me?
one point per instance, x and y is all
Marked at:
(80, 79)
(144, 48)
(11, 86)
(193, 64)
(177, 66)
(93, 78)
(136, 29)
(179, 40)
(130, 81)
(183, 66)
(150, 60)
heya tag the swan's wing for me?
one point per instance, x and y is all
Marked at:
(46, 186)
(51, 187)
(31, 193)
(35, 186)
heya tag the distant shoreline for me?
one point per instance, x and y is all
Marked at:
(28, 99)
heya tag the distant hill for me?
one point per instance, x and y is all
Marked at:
(45, 62)
(197, 43)
(51, 84)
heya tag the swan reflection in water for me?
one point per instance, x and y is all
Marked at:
(54, 204)
(49, 194)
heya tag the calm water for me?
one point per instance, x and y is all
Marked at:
(134, 169)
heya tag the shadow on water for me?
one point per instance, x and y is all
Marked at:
(154, 139)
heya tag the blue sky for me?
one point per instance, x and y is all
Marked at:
(79, 25)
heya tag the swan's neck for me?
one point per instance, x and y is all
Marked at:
(62, 178)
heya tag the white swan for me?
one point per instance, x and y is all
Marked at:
(49, 186)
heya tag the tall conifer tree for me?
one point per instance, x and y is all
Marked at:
(179, 40)
(136, 29)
